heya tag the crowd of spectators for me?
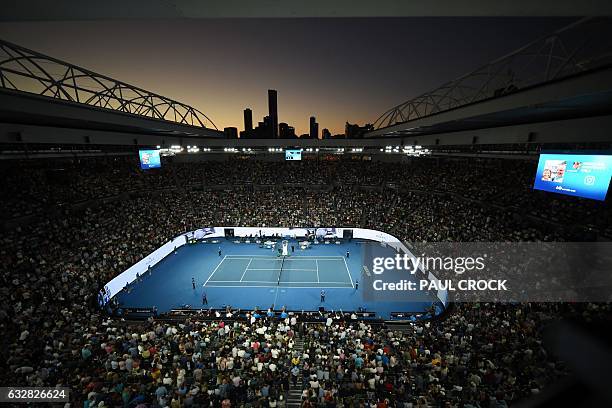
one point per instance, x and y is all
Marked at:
(90, 220)
(502, 185)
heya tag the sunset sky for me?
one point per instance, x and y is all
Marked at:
(335, 69)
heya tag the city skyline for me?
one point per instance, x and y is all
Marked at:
(336, 70)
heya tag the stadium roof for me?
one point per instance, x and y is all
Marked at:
(43, 10)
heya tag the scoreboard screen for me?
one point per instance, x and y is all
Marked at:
(581, 175)
(149, 159)
(293, 155)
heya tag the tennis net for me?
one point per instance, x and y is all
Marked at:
(280, 272)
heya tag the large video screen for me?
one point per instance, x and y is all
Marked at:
(149, 159)
(578, 175)
(293, 155)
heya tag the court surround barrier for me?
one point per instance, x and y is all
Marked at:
(127, 277)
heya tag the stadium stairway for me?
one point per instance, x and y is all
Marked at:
(294, 398)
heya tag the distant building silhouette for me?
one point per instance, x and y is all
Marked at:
(285, 131)
(230, 133)
(269, 127)
(261, 131)
(273, 113)
(325, 134)
(354, 131)
(248, 120)
(314, 128)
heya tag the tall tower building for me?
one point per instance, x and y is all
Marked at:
(273, 112)
(314, 128)
(248, 120)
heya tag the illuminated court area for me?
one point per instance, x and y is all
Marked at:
(247, 276)
(267, 271)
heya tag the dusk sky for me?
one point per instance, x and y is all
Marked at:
(335, 69)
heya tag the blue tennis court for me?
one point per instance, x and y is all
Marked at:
(271, 271)
(246, 276)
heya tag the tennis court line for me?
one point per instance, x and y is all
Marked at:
(284, 269)
(271, 282)
(347, 271)
(322, 257)
(317, 262)
(246, 269)
(330, 258)
(214, 270)
(281, 287)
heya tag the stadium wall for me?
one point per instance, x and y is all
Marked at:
(561, 131)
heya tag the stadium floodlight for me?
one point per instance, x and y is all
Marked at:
(158, 146)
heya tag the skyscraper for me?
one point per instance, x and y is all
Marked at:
(314, 128)
(285, 131)
(230, 132)
(273, 112)
(248, 120)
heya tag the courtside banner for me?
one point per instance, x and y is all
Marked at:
(489, 272)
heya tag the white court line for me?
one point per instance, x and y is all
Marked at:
(275, 297)
(246, 269)
(284, 287)
(329, 259)
(349, 272)
(317, 262)
(214, 270)
(250, 281)
(272, 258)
(297, 257)
(284, 269)
(247, 281)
